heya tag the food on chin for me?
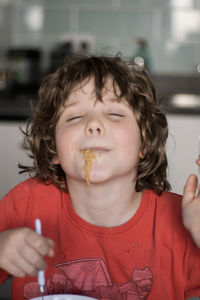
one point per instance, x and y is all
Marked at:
(90, 158)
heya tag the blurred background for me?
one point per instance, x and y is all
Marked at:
(160, 35)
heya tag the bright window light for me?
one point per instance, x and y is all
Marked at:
(34, 17)
(184, 23)
(186, 101)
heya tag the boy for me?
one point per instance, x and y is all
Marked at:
(111, 230)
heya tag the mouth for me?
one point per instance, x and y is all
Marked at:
(97, 149)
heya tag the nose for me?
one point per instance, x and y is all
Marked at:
(94, 127)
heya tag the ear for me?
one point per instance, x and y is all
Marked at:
(55, 160)
(141, 155)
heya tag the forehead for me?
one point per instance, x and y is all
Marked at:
(87, 88)
(84, 92)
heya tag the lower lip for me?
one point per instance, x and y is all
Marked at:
(99, 151)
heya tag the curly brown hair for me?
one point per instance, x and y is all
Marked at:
(135, 86)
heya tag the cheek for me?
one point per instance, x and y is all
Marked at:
(67, 143)
(129, 139)
(64, 140)
(65, 135)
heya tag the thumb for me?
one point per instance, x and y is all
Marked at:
(198, 161)
(190, 189)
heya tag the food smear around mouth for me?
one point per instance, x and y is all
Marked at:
(90, 158)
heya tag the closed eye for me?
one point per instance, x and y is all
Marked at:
(74, 118)
(117, 115)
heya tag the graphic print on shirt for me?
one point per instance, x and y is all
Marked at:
(90, 277)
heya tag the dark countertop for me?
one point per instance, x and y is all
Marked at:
(181, 103)
(16, 106)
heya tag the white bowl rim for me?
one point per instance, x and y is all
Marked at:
(59, 295)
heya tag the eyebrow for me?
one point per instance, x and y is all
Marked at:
(117, 100)
(120, 101)
(67, 105)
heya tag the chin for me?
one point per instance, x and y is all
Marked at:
(100, 178)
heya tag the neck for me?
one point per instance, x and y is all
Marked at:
(106, 204)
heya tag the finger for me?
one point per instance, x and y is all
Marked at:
(51, 252)
(190, 189)
(23, 265)
(39, 243)
(15, 270)
(34, 258)
(198, 195)
(198, 161)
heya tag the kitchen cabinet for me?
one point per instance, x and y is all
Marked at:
(5, 290)
(11, 153)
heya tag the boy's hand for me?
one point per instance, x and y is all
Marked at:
(22, 251)
(191, 207)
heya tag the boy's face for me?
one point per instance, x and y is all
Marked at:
(108, 128)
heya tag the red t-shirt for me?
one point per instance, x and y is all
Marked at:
(152, 256)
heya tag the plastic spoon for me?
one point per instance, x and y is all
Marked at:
(41, 275)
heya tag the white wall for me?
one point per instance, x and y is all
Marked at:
(182, 149)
